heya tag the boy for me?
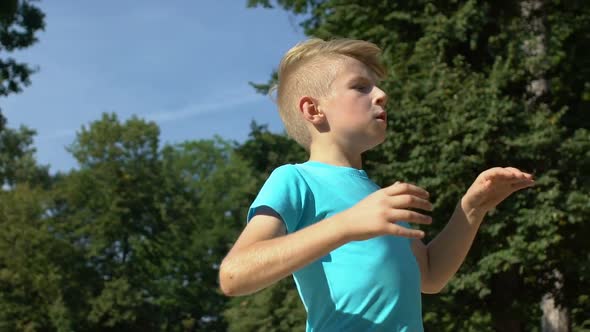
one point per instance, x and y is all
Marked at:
(357, 264)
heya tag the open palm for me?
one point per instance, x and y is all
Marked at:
(494, 185)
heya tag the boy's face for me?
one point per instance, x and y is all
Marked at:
(355, 107)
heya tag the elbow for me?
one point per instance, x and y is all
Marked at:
(431, 290)
(227, 280)
(432, 287)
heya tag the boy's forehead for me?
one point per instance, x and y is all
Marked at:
(349, 68)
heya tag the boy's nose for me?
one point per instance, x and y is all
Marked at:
(380, 97)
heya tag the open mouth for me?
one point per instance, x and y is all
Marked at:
(382, 116)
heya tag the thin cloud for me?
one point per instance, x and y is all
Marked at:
(59, 134)
(203, 108)
(174, 115)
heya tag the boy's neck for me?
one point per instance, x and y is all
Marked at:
(334, 156)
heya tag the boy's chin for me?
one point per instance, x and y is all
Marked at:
(377, 141)
(382, 137)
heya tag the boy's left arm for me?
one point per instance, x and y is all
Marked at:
(442, 257)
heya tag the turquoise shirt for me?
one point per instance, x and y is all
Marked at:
(371, 285)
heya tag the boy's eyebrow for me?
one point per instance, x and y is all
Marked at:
(360, 78)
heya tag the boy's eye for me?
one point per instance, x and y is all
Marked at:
(362, 87)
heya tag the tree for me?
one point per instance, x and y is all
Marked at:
(463, 99)
(19, 23)
(40, 274)
(17, 159)
(218, 182)
(109, 209)
(37, 270)
(20, 20)
(152, 224)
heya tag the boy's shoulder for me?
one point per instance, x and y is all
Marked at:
(286, 168)
(298, 175)
(285, 173)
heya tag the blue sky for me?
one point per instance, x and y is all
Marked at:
(185, 64)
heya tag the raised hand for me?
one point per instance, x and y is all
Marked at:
(379, 212)
(492, 187)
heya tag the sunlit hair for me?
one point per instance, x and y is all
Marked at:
(309, 68)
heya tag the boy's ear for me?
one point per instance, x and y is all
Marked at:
(310, 110)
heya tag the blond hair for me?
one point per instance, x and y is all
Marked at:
(305, 71)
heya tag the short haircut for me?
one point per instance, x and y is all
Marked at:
(309, 69)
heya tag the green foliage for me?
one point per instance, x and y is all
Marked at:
(266, 151)
(129, 241)
(38, 271)
(275, 309)
(17, 158)
(153, 224)
(20, 20)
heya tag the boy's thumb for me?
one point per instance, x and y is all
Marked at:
(396, 182)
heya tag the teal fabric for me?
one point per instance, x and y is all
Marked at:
(371, 285)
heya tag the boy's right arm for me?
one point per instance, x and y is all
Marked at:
(263, 254)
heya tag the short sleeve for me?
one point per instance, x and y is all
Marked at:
(286, 192)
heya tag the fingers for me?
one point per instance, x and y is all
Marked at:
(518, 175)
(522, 184)
(404, 196)
(514, 175)
(399, 188)
(409, 201)
(398, 230)
(409, 216)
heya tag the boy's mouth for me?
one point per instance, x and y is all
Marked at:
(382, 116)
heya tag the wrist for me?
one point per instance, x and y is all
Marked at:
(473, 214)
(338, 227)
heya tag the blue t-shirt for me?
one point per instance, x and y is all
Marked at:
(371, 285)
